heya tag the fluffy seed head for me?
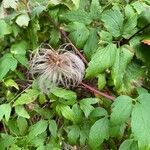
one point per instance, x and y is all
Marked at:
(54, 68)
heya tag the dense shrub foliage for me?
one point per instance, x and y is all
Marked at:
(110, 109)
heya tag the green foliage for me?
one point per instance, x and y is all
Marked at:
(113, 36)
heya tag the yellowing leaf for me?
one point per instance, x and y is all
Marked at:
(23, 20)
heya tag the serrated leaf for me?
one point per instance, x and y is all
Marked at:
(101, 81)
(122, 105)
(53, 128)
(140, 123)
(67, 112)
(113, 21)
(78, 33)
(19, 50)
(129, 27)
(7, 63)
(28, 97)
(21, 111)
(37, 128)
(22, 125)
(91, 44)
(5, 110)
(97, 65)
(73, 134)
(86, 105)
(23, 20)
(123, 57)
(5, 28)
(63, 93)
(105, 37)
(129, 144)
(10, 4)
(98, 112)
(95, 10)
(78, 16)
(98, 133)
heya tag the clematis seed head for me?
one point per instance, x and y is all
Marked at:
(56, 68)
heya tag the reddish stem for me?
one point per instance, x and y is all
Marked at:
(77, 51)
(92, 89)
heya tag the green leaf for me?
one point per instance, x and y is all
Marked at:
(78, 16)
(5, 28)
(123, 57)
(140, 122)
(5, 110)
(53, 128)
(129, 27)
(37, 129)
(11, 83)
(78, 34)
(10, 4)
(28, 97)
(23, 20)
(54, 37)
(6, 141)
(73, 134)
(113, 21)
(91, 44)
(98, 133)
(7, 63)
(19, 50)
(86, 105)
(21, 111)
(101, 60)
(63, 93)
(101, 81)
(129, 144)
(121, 109)
(67, 112)
(95, 10)
(71, 4)
(105, 37)
(22, 125)
(98, 112)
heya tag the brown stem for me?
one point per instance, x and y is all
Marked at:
(92, 89)
(76, 50)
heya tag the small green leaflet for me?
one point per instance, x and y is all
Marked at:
(28, 97)
(97, 65)
(91, 44)
(5, 28)
(65, 94)
(53, 128)
(121, 109)
(123, 57)
(98, 133)
(5, 110)
(101, 81)
(78, 33)
(113, 20)
(73, 134)
(21, 111)
(11, 83)
(22, 125)
(37, 128)
(129, 144)
(78, 16)
(7, 63)
(19, 50)
(86, 105)
(71, 4)
(23, 20)
(140, 122)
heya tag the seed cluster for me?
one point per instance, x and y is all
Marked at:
(56, 68)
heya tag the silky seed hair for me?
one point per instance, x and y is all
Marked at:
(56, 68)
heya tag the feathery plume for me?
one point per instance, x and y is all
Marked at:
(56, 68)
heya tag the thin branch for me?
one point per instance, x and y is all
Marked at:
(92, 89)
(139, 31)
(76, 50)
